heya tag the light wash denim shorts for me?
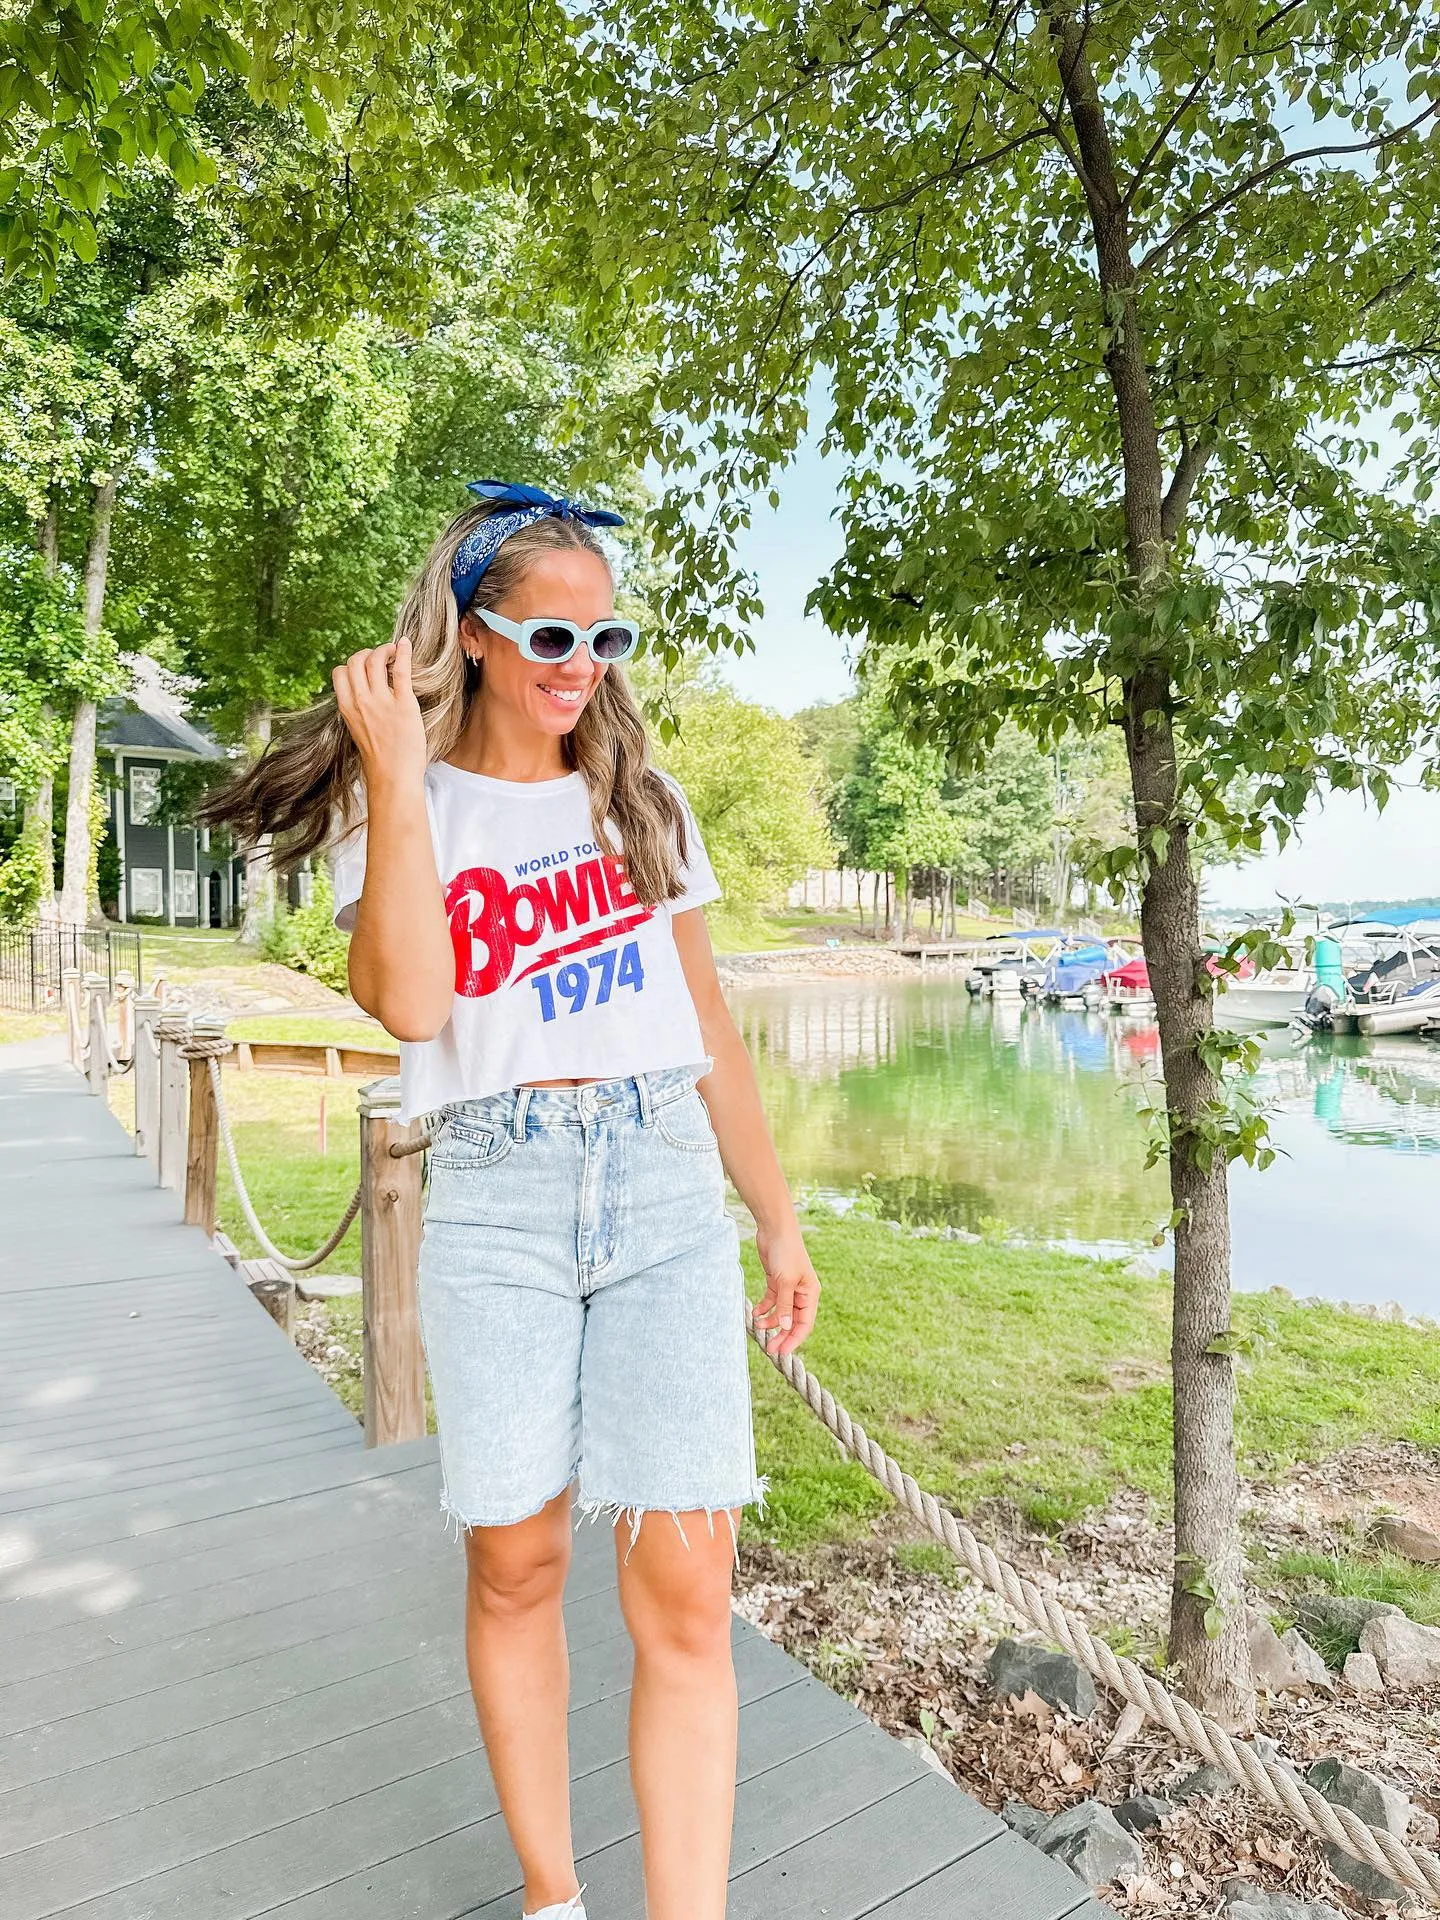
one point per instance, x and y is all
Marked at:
(582, 1306)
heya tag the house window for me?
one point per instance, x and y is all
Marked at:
(7, 799)
(184, 893)
(147, 890)
(144, 795)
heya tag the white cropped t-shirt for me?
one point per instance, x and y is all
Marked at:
(560, 971)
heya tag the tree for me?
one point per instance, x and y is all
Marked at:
(305, 152)
(63, 399)
(753, 791)
(293, 486)
(892, 813)
(1109, 301)
(367, 114)
(1006, 810)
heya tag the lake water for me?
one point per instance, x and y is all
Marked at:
(960, 1111)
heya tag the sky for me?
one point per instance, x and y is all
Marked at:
(1344, 849)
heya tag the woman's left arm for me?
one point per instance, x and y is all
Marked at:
(730, 1092)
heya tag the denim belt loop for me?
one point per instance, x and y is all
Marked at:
(522, 1107)
(642, 1091)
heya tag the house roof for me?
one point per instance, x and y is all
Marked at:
(153, 715)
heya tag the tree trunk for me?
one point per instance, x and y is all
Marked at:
(40, 805)
(1209, 1567)
(259, 873)
(75, 901)
(1215, 1664)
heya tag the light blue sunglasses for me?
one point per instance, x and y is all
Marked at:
(547, 639)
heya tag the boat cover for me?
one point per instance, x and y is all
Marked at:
(1072, 969)
(1134, 976)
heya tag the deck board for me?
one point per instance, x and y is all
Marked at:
(232, 1673)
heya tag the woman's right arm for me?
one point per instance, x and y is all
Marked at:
(402, 967)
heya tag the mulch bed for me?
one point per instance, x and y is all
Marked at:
(909, 1648)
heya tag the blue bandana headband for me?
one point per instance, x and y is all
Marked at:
(527, 504)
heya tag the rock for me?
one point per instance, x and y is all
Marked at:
(1308, 1663)
(328, 1286)
(1028, 1822)
(1339, 1615)
(1272, 1666)
(1245, 1901)
(1407, 1654)
(1363, 1674)
(1214, 1782)
(1142, 1811)
(1378, 1806)
(918, 1744)
(1407, 1538)
(1091, 1842)
(1210, 1782)
(1060, 1681)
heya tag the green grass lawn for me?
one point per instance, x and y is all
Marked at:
(28, 1026)
(321, 1029)
(994, 1370)
(185, 951)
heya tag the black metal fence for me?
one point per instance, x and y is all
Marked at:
(32, 960)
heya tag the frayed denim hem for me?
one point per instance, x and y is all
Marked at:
(510, 1519)
(591, 1509)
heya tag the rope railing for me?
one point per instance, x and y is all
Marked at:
(1272, 1780)
(212, 1050)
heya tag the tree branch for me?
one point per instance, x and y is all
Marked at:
(1162, 139)
(1194, 458)
(1258, 179)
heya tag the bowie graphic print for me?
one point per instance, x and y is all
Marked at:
(504, 932)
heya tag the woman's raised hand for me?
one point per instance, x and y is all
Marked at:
(378, 705)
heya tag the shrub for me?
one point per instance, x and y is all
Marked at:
(308, 940)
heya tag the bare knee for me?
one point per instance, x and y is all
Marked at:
(513, 1571)
(677, 1606)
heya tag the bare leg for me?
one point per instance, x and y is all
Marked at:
(520, 1675)
(683, 1708)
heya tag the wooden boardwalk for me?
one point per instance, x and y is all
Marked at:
(232, 1680)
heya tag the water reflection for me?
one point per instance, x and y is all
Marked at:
(959, 1112)
(969, 1112)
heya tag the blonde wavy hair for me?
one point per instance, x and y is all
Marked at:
(302, 790)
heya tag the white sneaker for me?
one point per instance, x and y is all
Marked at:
(571, 1909)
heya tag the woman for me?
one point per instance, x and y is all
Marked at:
(524, 893)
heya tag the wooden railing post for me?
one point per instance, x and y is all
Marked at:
(124, 1016)
(394, 1355)
(171, 1030)
(70, 993)
(147, 1078)
(97, 1063)
(202, 1146)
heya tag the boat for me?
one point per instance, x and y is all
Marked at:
(1270, 998)
(1398, 994)
(1074, 971)
(1126, 989)
(1027, 966)
(1395, 988)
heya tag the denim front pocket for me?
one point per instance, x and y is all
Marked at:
(685, 1123)
(462, 1146)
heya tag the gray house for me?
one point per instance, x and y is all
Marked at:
(167, 872)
